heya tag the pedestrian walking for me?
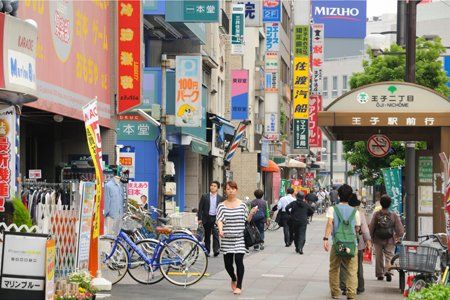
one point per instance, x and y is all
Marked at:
(284, 217)
(334, 196)
(312, 200)
(385, 229)
(207, 211)
(231, 217)
(299, 211)
(364, 242)
(343, 223)
(261, 217)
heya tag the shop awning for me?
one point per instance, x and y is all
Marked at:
(318, 165)
(292, 163)
(226, 126)
(200, 147)
(272, 167)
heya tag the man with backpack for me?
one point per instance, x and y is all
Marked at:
(261, 216)
(385, 228)
(343, 223)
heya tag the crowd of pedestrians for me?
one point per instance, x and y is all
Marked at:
(347, 233)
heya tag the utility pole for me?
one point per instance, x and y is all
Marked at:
(163, 142)
(331, 162)
(410, 159)
(401, 22)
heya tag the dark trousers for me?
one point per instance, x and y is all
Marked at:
(239, 260)
(260, 226)
(287, 228)
(299, 231)
(210, 228)
(344, 271)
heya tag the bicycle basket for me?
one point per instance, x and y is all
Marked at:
(130, 224)
(418, 258)
(184, 220)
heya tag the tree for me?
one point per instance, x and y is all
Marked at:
(391, 67)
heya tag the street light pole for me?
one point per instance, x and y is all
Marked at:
(410, 155)
(331, 163)
(163, 143)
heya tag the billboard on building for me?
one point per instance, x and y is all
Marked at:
(188, 89)
(272, 37)
(237, 29)
(271, 11)
(73, 52)
(317, 58)
(253, 17)
(129, 40)
(239, 94)
(342, 19)
(315, 133)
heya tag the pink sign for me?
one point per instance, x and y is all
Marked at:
(239, 95)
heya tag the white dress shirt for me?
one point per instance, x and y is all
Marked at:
(284, 201)
(212, 204)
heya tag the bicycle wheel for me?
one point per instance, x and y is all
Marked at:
(183, 262)
(113, 265)
(139, 270)
(395, 263)
(273, 226)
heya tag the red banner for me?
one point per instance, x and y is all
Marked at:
(315, 134)
(129, 37)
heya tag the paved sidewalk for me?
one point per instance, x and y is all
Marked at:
(275, 273)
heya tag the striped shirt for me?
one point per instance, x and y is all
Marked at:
(233, 220)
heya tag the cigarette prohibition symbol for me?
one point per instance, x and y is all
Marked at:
(378, 145)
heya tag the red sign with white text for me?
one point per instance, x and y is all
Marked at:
(73, 53)
(129, 54)
(315, 134)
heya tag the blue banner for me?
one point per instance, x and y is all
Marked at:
(271, 11)
(342, 19)
(447, 69)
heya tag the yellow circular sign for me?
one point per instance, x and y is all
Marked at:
(4, 128)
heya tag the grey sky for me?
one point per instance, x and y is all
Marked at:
(379, 7)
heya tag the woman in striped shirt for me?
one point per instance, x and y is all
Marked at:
(231, 217)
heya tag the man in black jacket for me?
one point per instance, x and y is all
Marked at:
(299, 211)
(207, 210)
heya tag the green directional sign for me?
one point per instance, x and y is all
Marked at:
(206, 11)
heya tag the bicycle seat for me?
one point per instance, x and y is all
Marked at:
(163, 230)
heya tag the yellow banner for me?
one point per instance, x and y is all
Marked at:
(92, 145)
(301, 72)
(301, 103)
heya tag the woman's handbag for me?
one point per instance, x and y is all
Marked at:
(367, 256)
(251, 235)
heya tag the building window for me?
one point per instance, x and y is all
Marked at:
(334, 88)
(344, 84)
(285, 20)
(284, 72)
(325, 87)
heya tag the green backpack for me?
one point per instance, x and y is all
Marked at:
(344, 240)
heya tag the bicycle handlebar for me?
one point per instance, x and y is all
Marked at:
(432, 236)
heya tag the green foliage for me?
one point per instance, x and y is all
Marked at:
(20, 214)
(391, 67)
(434, 292)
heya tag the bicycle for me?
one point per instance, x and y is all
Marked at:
(272, 226)
(177, 256)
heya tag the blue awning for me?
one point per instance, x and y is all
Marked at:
(226, 126)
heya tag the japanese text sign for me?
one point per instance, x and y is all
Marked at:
(425, 169)
(129, 54)
(271, 62)
(188, 97)
(50, 256)
(239, 94)
(201, 11)
(300, 133)
(315, 133)
(393, 183)
(271, 11)
(272, 37)
(301, 87)
(237, 29)
(73, 55)
(138, 191)
(85, 227)
(135, 128)
(127, 159)
(271, 126)
(317, 53)
(271, 82)
(301, 40)
(7, 155)
(252, 13)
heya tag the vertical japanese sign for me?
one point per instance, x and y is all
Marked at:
(239, 94)
(265, 153)
(94, 141)
(50, 256)
(271, 123)
(129, 54)
(84, 238)
(301, 86)
(271, 11)
(237, 29)
(272, 37)
(393, 183)
(317, 57)
(271, 73)
(127, 159)
(315, 134)
(7, 155)
(188, 106)
(138, 191)
(252, 13)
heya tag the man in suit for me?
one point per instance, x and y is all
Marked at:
(207, 210)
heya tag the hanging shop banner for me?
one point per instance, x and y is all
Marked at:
(135, 128)
(239, 95)
(271, 62)
(237, 29)
(7, 155)
(315, 133)
(50, 256)
(301, 40)
(271, 82)
(86, 211)
(271, 11)
(73, 55)
(138, 191)
(272, 37)
(317, 58)
(393, 183)
(188, 91)
(271, 131)
(252, 13)
(201, 11)
(129, 55)
(265, 153)
(342, 18)
(425, 169)
(300, 133)
(127, 159)
(301, 87)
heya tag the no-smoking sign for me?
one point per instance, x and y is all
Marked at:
(378, 145)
